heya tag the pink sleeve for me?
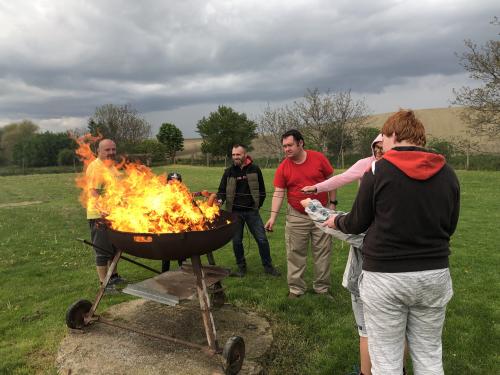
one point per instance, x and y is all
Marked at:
(352, 174)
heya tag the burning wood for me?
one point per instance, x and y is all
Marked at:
(133, 199)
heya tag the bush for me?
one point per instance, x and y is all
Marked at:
(477, 162)
(41, 150)
(150, 147)
(441, 146)
(66, 157)
(364, 139)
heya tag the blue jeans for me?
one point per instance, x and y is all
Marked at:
(254, 222)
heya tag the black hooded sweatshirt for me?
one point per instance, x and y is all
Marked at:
(409, 204)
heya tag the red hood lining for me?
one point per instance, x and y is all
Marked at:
(416, 163)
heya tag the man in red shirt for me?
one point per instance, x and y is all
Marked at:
(302, 168)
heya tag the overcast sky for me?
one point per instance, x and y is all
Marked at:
(176, 61)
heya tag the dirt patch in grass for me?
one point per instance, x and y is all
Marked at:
(19, 204)
(102, 349)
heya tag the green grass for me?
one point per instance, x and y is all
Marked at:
(43, 270)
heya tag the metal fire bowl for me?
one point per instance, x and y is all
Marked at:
(174, 246)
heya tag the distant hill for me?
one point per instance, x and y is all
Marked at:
(442, 123)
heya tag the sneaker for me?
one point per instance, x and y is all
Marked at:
(242, 270)
(270, 270)
(293, 295)
(116, 279)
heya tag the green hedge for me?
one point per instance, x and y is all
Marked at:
(481, 162)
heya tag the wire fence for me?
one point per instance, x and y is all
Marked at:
(483, 161)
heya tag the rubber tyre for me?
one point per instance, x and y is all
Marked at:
(233, 355)
(75, 315)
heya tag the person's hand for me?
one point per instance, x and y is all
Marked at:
(330, 223)
(305, 202)
(309, 189)
(331, 206)
(269, 225)
(211, 199)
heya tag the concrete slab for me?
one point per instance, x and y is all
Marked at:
(102, 349)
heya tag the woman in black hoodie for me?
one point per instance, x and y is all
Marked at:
(409, 204)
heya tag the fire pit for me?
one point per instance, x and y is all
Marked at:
(174, 246)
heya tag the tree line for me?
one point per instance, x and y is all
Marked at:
(329, 122)
(22, 143)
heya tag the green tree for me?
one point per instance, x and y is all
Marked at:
(66, 156)
(339, 142)
(364, 139)
(482, 104)
(119, 123)
(155, 149)
(223, 128)
(40, 150)
(171, 137)
(13, 134)
(2, 156)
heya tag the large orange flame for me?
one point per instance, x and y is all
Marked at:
(136, 200)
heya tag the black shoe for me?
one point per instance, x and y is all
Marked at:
(116, 279)
(242, 270)
(270, 270)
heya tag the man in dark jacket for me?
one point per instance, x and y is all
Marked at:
(409, 204)
(242, 188)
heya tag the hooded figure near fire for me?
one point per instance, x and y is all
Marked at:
(409, 202)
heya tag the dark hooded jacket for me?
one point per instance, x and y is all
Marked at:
(409, 204)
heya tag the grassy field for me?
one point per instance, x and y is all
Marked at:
(43, 270)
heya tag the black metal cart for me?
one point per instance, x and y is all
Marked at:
(171, 288)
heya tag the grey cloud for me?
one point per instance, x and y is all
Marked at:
(66, 58)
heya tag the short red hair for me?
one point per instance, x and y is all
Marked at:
(406, 127)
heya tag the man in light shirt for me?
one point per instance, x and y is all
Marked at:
(98, 172)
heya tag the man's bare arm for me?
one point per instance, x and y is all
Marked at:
(278, 196)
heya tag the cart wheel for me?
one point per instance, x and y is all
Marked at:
(233, 355)
(76, 313)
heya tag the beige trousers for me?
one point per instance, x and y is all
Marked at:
(299, 231)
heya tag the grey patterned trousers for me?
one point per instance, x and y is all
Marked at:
(406, 304)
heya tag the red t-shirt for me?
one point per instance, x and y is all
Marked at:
(292, 177)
